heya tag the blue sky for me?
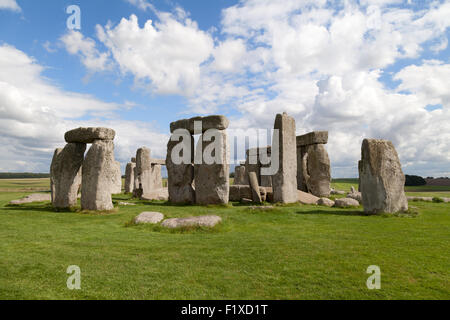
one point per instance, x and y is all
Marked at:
(360, 69)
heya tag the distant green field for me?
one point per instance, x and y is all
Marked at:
(289, 252)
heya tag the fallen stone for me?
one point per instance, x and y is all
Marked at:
(201, 221)
(89, 135)
(149, 217)
(238, 192)
(325, 202)
(381, 177)
(35, 197)
(425, 199)
(346, 203)
(210, 122)
(316, 137)
(355, 195)
(126, 204)
(307, 198)
(337, 192)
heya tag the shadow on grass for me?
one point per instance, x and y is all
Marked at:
(35, 207)
(337, 213)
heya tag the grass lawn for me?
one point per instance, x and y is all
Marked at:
(291, 252)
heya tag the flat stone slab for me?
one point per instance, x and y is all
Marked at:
(89, 135)
(315, 137)
(325, 202)
(201, 221)
(161, 162)
(340, 192)
(346, 203)
(211, 122)
(35, 197)
(307, 198)
(149, 217)
(126, 204)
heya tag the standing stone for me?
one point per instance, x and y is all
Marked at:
(266, 180)
(302, 169)
(67, 175)
(212, 181)
(319, 171)
(381, 178)
(129, 177)
(53, 176)
(285, 180)
(252, 164)
(180, 176)
(98, 171)
(256, 196)
(240, 175)
(137, 182)
(116, 186)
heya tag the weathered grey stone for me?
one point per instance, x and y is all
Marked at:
(202, 221)
(256, 196)
(426, 199)
(129, 177)
(262, 208)
(210, 122)
(53, 177)
(381, 177)
(137, 184)
(160, 162)
(355, 195)
(346, 203)
(98, 172)
(239, 192)
(240, 176)
(307, 198)
(126, 204)
(285, 180)
(302, 169)
(339, 192)
(316, 137)
(181, 176)
(35, 197)
(158, 194)
(318, 179)
(66, 172)
(133, 160)
(325, 202)
(149, 174)
(212, 181)
(89, 135)
(116, 185)
(149, 217)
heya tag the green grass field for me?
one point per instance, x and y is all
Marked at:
(290, 252)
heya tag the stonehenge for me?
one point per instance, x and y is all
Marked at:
(313, 164)
(198, 176)
(97, 173)
(381, 178)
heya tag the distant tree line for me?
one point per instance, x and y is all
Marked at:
(23, 175)
(414, 181)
